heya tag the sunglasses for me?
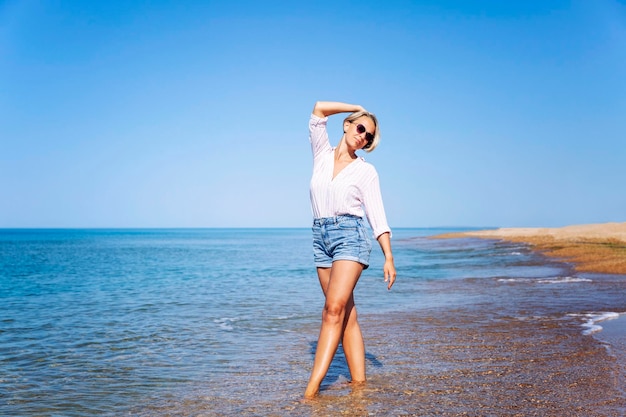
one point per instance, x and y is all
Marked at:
(368, 136)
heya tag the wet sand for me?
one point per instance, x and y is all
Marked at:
(591, 248)
(455, 362)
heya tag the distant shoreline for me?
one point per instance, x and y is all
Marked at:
(599, 248)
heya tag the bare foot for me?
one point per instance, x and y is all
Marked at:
(355, 383)
(310, 393)
(357, 387)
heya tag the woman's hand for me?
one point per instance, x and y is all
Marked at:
(390, 272)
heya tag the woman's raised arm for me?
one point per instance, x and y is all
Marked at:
(328, 108)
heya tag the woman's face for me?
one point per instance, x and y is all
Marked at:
(356, 139)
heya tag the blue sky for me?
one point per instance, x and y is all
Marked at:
(194, 114)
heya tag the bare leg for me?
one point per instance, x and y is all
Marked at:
(352, 339)
(341, 282)
(353, 345)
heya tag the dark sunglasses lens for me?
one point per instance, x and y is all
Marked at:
(368, 136)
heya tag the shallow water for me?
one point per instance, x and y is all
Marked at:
(224, 321)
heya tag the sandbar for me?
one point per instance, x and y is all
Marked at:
(598, 248)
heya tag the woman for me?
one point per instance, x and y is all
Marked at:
(344, 188)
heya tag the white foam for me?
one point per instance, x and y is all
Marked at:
(563, 280)
(225, 323)
(530, 318)
(591, 325)
(513, 280)
(553, 280)
(288, 317)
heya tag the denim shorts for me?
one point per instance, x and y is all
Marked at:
(338, 238)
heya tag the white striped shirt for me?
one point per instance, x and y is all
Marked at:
(354, 189)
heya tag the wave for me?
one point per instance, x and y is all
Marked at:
(552, 280)
(226, 323)
(591, 320)
(563, 280)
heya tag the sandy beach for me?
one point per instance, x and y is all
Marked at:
(597, 248)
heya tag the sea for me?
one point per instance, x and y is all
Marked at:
(208, 322)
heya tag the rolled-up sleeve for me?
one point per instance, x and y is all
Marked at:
(318, 136)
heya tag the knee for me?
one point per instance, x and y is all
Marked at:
(333, 313)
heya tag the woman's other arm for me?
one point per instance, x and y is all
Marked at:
(389, 269)
(328, 108)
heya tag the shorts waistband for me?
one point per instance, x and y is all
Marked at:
(334, 220)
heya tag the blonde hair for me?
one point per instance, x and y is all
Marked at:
(358, 114)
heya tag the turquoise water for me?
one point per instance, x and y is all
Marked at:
(169, 322)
